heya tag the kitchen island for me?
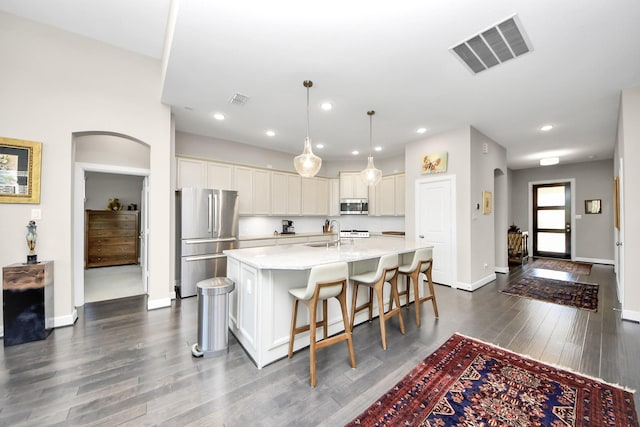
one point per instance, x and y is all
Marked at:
(260, 305)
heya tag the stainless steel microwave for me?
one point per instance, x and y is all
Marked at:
(354, 207)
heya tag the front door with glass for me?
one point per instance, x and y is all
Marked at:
(552, 220)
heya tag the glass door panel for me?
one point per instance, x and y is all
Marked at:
(552, 220)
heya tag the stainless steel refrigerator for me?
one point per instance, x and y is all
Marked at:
(206, 225)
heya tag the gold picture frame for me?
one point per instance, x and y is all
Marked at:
(486, 202)
(20, 163)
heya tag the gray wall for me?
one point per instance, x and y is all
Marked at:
(100, 187)
(593, 180)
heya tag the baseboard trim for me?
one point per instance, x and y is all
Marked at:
(68, 320)
(503, 270)
(173, 295)
(595, 260)
(153, 304)
(476, 285)
(631, 315)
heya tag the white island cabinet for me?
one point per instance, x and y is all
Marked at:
(260, 305)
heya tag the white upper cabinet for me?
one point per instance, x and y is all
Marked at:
(334, 197)
(286, 193)
(352, 186)
(220, 176)
(387, 198)
(191, 173)
(315, 196)
(254, 190)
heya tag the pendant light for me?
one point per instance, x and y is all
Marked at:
(371, 176)
(307, 164)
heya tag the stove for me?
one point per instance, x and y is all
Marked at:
(354, 233)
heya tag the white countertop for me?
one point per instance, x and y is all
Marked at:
(302, 257)
(280, 236)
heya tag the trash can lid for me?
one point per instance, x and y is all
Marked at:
(215, 286)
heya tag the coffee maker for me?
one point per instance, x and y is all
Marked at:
(287, 227)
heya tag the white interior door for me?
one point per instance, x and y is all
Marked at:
(144, 233)
(435, 224)
(620, 234)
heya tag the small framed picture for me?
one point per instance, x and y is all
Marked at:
(20, 171)
(486, 202)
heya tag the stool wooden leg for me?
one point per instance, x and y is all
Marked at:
(433, 294)
(396, 297)
(294, 315)
(416, 296)
(312, 342)
(353, 304)
(383, 330)
(370, 304)
(325, 322)
(343, 306)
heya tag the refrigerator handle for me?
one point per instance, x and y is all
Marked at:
(216, 216)
(209, 213)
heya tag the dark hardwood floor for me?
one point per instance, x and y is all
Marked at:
(123, 365)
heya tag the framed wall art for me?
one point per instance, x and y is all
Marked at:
(486, 202)
(20, 171)
(434, 163)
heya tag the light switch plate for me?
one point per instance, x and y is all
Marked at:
(36, 214)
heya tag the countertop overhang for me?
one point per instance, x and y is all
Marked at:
(303, 257)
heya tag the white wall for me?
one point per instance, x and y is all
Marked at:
(629, 147)
(59, 84)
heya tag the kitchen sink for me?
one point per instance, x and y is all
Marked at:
(323, 244)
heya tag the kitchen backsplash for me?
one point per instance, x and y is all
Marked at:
(257, 225)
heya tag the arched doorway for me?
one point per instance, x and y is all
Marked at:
(112, 155)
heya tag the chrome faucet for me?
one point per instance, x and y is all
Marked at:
(336, 222)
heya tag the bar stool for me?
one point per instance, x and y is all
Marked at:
(325, 281)
(422, 262)
(387, 271)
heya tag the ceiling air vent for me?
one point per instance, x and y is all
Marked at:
(493, 46)
(238, 99)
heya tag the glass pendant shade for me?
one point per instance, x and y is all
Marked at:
(307, 164)
(371, 175)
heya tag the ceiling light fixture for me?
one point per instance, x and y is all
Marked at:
(355, 152)
(270, 133)
(218, 116)
(307, 164)
(370, 175)
(326, 106)
(378, 148)
(546, 128)
(320, 146)
(549, 161)
(421, 130)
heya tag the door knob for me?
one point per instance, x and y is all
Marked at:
(421, 236)
(618, 243)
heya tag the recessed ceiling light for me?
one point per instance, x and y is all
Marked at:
(421, 130)
(188, 108)
(378, 148)
(546, 128)
(355, 152)
(218, 116)
(270, 133)
(326, 106)
(320, 146)
(549, 161)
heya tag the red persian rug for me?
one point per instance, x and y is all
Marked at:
(581, 268)
(469, 383)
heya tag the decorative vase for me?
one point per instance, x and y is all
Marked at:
(32, 235)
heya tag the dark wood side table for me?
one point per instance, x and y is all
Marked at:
(27, 291)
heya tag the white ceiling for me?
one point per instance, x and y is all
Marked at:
(392, 57)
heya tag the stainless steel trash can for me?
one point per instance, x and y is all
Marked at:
(213, 317)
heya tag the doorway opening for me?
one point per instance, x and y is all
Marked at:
(551, 216)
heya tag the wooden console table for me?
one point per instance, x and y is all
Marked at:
(27, 291)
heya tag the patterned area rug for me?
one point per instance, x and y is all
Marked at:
(573, 294)
(469, 383)
(581, 268)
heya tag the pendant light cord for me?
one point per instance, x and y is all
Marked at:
(307, 84)
(370, 114)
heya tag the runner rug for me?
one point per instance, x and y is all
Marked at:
(560, 265)
(572, 294)
(469, 383)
